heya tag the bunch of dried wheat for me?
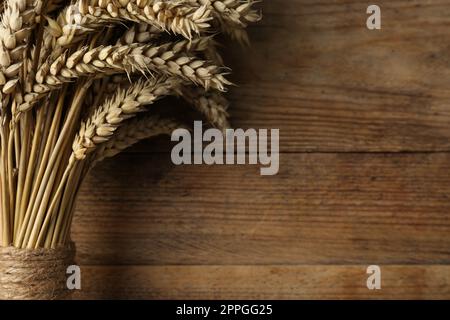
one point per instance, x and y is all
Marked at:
(76, 82)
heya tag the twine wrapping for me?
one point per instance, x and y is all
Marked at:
(37, 274)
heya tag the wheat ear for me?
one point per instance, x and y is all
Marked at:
(87, 16)
(139, 33)
(17, 23)
(211, 104)
(233, 16)
(101, 125)
(107, 60)
(169, 15)
(134, 131)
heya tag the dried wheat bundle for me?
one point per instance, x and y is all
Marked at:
(77, 83)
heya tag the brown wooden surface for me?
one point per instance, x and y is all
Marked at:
(263, 282)
(320, 208)
(364, 176)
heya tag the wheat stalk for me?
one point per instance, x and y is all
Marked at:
(98, 128)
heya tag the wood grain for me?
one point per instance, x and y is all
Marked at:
(262, 282)
(320, 208)
(364, 178)
(315, 72)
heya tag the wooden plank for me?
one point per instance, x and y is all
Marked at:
(320, 209)
(262, 282)
(315, 72)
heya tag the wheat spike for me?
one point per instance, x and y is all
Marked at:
(233, 16)
(86, 16)
(140, 33)
(171, 59)
(171, 15)
(211, 104)
(134, 131)
(183, 17)
(17, 23)
(125, 104)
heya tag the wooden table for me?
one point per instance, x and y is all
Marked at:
(364, 177)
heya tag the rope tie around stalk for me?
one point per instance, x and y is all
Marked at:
(35, 274)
